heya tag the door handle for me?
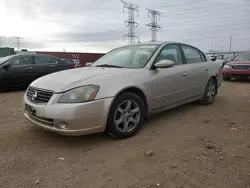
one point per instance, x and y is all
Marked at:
(184, 74)
(29, 68)
(52, 66)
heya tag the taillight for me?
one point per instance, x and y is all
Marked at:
(73, 66)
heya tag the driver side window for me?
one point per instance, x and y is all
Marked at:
(170, 52)
(21, 61)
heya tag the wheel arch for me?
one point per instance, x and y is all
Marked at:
(139, 92)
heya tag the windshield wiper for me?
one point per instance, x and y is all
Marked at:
(107, 65)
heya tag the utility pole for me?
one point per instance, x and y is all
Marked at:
(230, 43)
(130, 23)
(153, 26)
(18, 43)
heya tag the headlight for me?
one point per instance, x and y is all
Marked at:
(80, 94)
(226, 67)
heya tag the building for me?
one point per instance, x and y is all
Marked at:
(6, 51)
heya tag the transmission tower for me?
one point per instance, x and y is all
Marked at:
(130, 23)
(153, 26)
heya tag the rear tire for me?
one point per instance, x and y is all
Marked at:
(226, 78)
(126, 116)
(210, 92)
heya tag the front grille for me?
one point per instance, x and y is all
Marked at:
(36, 95)
(241, 67)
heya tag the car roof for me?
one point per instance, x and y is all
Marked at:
(158, 43)
(147, 43)
(33, 54)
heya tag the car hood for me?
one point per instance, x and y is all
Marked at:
(239, 62)
(68, 79)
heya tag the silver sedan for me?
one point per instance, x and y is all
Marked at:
(120, 90)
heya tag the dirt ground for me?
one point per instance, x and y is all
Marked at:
(191, 146)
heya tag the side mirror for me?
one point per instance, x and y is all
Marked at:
(213, 58)
(7, 67)
(164, 64)
(88, 64)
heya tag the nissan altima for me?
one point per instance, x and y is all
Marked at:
(119, 91)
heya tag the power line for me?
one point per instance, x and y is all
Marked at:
(210, 26)
(181, 4)
(214, 38)
(203, 19)
(153, 25)
(130, 23)
(203, 9)
(187, 21)
(210, 6)
(229, 29)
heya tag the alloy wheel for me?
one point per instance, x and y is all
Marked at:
(211, 90)
(127, 116)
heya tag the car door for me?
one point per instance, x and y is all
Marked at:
(47, 65)
(197, 70)
(168, 85)
(20, 72)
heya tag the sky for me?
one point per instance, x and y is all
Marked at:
(98, 25)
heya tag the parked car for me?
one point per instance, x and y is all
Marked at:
(239, 67)
(73, 61)
(20, 70)
(121, 89)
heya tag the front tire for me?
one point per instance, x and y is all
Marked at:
(126, 116)
(210, 92)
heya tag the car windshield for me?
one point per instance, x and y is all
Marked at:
(127, 57)
(243, 57)
(3, 59)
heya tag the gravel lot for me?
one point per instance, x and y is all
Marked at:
(191, 146)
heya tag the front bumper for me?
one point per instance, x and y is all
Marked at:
(80, 118)
(231, 73)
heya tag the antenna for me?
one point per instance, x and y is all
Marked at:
(130, 23)
(153, 26)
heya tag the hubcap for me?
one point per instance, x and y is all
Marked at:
(127, 116)
(211, 91)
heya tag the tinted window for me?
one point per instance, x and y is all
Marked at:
(21, 61)
(192, 55)
(45, 60)
(4, 59)
(170, 52)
